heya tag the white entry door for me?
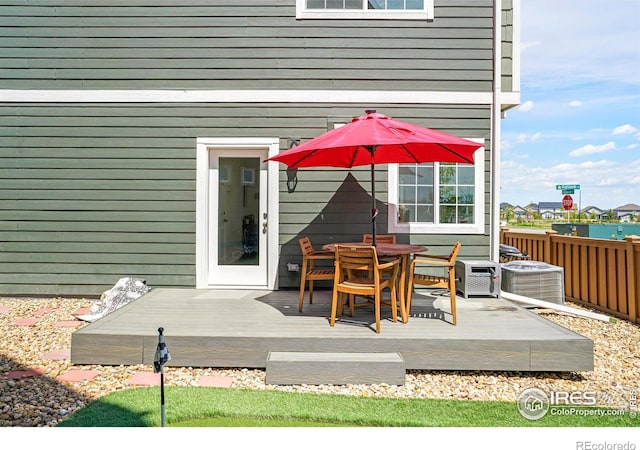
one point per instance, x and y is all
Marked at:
(238, 233)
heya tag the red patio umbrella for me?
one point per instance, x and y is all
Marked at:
(377, 139)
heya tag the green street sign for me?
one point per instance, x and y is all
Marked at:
(568, 191)
(563, 187)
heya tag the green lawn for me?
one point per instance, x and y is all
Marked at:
(214, 407)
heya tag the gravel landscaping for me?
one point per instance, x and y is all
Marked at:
(34, 361)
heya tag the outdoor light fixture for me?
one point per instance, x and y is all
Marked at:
(292, 174)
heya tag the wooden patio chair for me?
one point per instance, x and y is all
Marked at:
(447, 281)
(310, 272)
(367, 238)
(354, 265)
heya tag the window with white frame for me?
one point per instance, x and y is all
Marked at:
(365, 9)
(437, 197)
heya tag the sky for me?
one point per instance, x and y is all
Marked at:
(578, 121)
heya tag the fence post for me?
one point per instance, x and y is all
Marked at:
(548, 246)
(633, 276)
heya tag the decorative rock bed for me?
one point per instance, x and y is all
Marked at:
(32, 394)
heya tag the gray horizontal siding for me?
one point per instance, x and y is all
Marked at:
(507, 63)
(239, 45)
(92, 193)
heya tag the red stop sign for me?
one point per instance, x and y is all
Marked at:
(567, 202)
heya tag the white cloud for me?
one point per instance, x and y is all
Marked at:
(568, 167)
(625, 129)
(523, 138)
(526, 106)
(590, 149)
(575, 103)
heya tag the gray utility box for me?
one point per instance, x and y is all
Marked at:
(534, 279)
(478, 278)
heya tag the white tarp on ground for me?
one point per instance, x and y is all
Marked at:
(124, 291)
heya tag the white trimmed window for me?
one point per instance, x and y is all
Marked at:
(365, 9)
(437, 197)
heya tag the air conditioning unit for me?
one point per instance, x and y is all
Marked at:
(478, 278)
(534, 279)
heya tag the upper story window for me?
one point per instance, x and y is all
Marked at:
(365, 9)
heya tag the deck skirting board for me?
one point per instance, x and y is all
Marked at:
(107, 349)
(556, 356)
(434, 354)
(203, 329)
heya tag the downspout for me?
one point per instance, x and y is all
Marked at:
(496, 114)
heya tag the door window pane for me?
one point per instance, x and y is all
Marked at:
(239, 208)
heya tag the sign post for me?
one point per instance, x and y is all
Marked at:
(567, 204)
(568, 189)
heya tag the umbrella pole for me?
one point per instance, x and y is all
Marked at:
(374, 211)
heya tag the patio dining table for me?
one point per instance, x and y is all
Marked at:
(402, 250)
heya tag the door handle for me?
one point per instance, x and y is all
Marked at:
(264, 227)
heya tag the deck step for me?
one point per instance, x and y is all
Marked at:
(335, 368)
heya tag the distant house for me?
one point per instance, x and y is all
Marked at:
(627, 213)
(551, 210)
(593, 212)
(135, 134)
(518, 211)
(531, 208)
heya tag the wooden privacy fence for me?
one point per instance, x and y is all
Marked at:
(601, 273)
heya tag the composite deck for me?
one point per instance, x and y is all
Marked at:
(211, 328)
